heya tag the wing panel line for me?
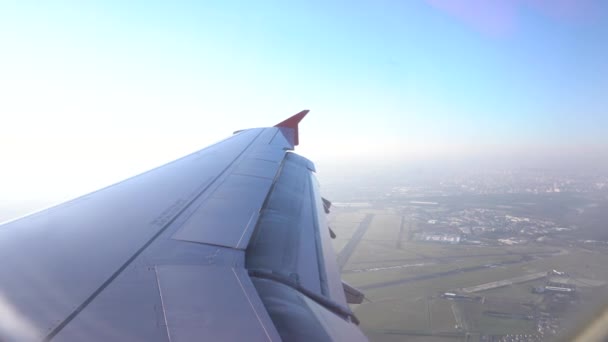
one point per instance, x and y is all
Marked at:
(251, 218)
(162, 302)
(251, 304)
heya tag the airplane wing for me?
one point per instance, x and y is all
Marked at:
(229, 243)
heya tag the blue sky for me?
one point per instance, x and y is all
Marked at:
(95, 91)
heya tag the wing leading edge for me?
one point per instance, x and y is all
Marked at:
(228, 243)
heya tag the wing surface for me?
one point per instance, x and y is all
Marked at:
(228, 243)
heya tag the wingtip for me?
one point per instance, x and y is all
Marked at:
(292, 122)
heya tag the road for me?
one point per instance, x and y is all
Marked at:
(504, 282)
(348, 250)
(438, 275)
(401, 230)
(451, 258)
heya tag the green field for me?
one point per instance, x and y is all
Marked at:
(411, 309)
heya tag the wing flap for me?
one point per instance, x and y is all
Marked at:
(229, 215)
(221, 222)
(193, 310)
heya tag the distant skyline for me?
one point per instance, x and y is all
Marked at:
(96, 91)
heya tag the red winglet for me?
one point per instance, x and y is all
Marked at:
(293, 122)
